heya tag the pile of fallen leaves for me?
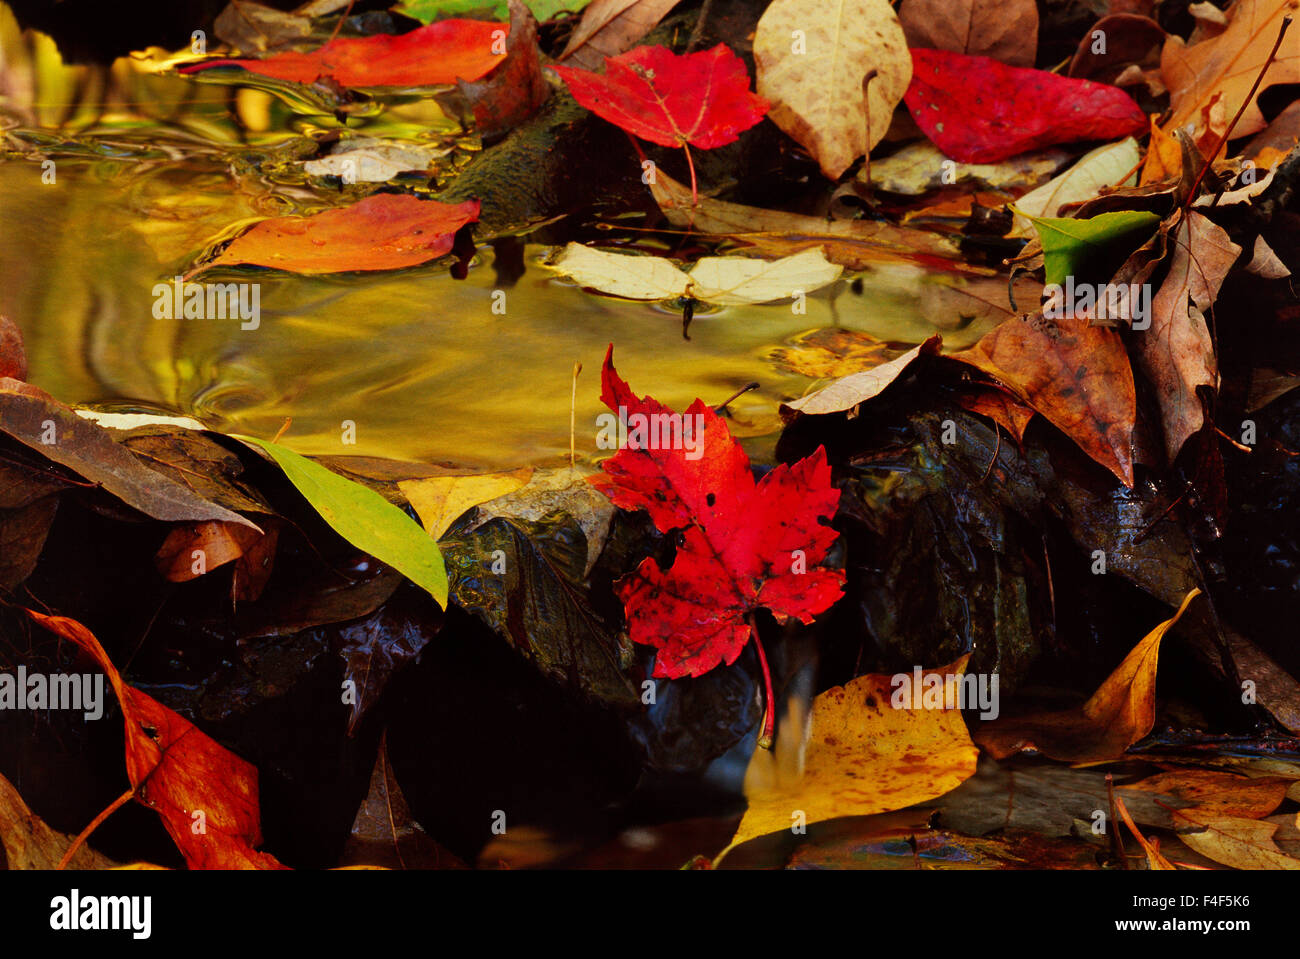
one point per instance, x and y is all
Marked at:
(1046, 510)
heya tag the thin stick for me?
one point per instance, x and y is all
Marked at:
(1191, 195)
(769, 708)
(735, 396)
(573, 406)
(1112, 824)
(113, 807)
(283, 429)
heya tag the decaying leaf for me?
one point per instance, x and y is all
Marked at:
(610, 27)
(1109, 165)
(849, 391)
(1177, 353)
(1077, 375)
(1006, 30)
(1232, 840)
(30, 844)
(1227, 65)
(440, 500)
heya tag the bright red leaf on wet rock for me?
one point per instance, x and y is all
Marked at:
(745, 544)
(698, 98)
(978, 110)
(442, 52)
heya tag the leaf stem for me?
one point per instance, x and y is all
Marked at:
(769, 708)
(113, 807)
(695, 193)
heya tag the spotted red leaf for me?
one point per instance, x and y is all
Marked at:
(698, 98)
(746, 544)
(978, 110)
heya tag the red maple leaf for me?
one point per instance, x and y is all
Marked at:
(701, 99)
(746, 544)
(977, 110)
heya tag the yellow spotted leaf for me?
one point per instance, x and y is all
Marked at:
(863, 756)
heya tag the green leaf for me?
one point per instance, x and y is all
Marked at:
(427, 11)
(1068, 243)
(365, 519)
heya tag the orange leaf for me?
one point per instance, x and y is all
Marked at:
(442, 52)
(383, 232)
(1118, 714)
(1078, 376)
(179, 772)
(1228, 64)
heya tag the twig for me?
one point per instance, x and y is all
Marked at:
(1250, 97)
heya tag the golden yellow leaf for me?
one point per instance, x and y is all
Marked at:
(863, 756)
(1119, 713)
(1220, 792)
(440, 500)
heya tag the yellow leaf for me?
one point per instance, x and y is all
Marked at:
(440, 500)
(28, 843)
(863, 756)
(1110, 165)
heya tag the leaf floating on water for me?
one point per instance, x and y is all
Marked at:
(428, 56)
(364, 518)
(382, 232)
(725, 280)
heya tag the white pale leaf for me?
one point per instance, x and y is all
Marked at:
(731, 280)
(622, 274)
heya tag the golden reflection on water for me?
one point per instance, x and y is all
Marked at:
(416, 359)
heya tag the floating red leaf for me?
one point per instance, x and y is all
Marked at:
(205, 794)
(977, 110)
(387, 231)
(698, 98)
(746, 545)
(442, 52)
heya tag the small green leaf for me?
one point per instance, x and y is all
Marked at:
(1068, 243)
(364, 518)
(427, 11)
